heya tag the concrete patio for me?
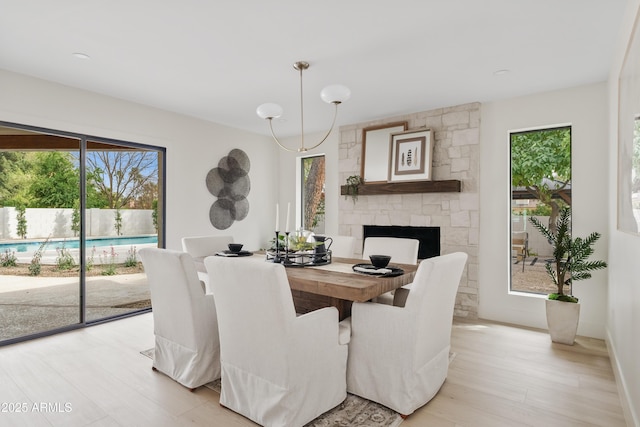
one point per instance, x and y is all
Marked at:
(34, 304)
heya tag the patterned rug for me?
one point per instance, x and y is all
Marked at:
(354, 411)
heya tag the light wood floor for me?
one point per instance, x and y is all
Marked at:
(501, 376)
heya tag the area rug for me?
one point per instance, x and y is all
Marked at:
(354, 411)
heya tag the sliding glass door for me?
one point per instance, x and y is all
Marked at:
(74, 212)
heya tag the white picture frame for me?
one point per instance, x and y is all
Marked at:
(375, 150)
(411, 156)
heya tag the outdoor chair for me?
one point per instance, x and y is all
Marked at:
(520, 246)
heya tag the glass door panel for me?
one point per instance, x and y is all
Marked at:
(122, 217)
(39, 250)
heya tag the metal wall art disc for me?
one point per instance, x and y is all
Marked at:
(230, 183)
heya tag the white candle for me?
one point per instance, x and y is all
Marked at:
(277, 217)
(286, 229)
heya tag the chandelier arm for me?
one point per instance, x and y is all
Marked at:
(335, 115)
(275, 138)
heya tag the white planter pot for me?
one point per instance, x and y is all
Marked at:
(562, 320)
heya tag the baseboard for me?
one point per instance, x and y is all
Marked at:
(628, 409)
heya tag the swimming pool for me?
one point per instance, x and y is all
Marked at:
(74, 243)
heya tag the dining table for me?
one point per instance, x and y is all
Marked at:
(336, 284)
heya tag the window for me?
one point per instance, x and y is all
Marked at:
(540, 186)
(312, 197)
(74, 211)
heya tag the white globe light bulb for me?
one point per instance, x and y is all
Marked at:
(335, 94)
(269, 111)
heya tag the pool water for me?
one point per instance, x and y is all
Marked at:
(74, 243)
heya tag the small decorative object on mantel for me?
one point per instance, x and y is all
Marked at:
(230, 183)
(353, 184)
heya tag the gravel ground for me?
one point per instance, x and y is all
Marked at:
(533, 279)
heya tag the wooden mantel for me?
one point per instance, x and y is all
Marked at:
(371, 189)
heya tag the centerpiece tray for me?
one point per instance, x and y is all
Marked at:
(300, 259)
(369, 269)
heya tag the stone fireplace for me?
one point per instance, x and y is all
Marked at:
(456, 133)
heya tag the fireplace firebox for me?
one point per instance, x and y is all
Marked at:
(429, 237)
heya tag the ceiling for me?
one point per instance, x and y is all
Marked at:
(218, 60)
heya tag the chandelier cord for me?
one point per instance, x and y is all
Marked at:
(302, 149)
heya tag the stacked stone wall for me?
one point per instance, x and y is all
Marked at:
(456, 155)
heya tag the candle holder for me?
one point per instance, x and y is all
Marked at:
(286, 259)
(277, 258)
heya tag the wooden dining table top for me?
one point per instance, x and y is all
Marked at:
(338, 280)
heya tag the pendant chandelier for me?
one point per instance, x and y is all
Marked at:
(334, 94)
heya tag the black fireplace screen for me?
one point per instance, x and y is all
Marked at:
(429, 237)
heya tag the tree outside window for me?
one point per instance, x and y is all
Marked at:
(313, 186)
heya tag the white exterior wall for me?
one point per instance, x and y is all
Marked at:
(54, 223)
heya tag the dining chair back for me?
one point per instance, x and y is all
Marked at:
(200, 247)
(187, 347)
(343, 247)
(401, 250)
(278, 369)
(399, 356)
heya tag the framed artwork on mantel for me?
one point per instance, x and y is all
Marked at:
(375, 150)
(411, 156)
(629, 137)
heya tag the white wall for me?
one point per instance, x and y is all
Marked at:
(193, 148)
(585, 109)
(623, 315)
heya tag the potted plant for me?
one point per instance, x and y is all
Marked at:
(353, 187)
(570, 263)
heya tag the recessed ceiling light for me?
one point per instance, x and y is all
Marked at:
(81, 55)
(501, 72)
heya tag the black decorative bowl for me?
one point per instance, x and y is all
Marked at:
(235, 247)
(380, 261)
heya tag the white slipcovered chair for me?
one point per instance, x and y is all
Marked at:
(401, 250)
(343, 246)
(187, 347)
(399, 356)
(277, 369)
(200, 247)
